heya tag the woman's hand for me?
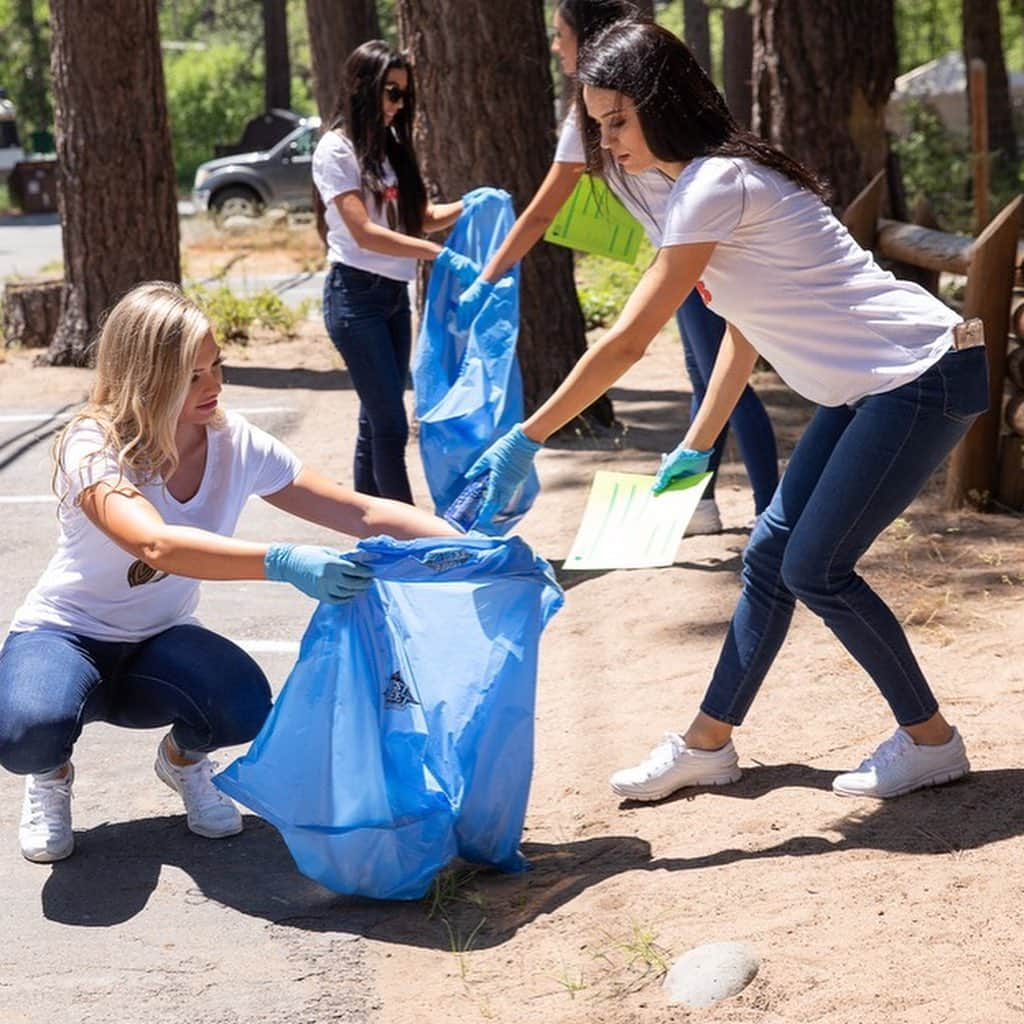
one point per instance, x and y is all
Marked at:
(321, 573)
(465, 270)
(508, 462)
(680, 463)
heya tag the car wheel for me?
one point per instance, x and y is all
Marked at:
(236, 202)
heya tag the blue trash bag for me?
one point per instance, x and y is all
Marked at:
(403, 736)
(467, 383)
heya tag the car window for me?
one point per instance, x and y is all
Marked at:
(304, 144)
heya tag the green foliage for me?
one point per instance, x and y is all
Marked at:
(24, 64)
(234, 316)
(211, 93)
(603, 285)
(5, 200)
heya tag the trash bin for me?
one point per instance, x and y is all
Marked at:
(33, 185)
(42, 142)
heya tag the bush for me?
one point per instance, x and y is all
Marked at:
(234, 316)
(211, 94)
(604, 285)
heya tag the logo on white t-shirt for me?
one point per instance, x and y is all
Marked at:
(139, 574)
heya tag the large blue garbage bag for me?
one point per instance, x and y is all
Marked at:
(467, 383)
(404, 735)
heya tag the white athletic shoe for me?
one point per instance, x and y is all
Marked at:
(705, 519)
(45, 831)
(208, 811)
(672, 765)
(900, 765)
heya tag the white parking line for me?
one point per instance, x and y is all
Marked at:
(45, 417)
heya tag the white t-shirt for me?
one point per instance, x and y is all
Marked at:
(95, 588)
(833, 324)
(335, 172)
(644, 195)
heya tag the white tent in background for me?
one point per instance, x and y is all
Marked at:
(942, 84)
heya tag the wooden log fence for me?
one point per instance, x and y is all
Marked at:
(977, 469)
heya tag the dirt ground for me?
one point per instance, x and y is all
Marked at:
(905, 911)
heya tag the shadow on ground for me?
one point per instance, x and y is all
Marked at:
(116, 867)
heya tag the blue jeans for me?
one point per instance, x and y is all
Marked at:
(368, 319)
(855, 469)
(53, 682)
(701, 331)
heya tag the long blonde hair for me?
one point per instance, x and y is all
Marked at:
(144, 364)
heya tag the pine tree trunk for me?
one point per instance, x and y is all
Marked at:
(335, 30)
(486, 117)
(983, 40)
(277, 69)
(116, 188)
(697, 31)
(738, 61)
(823, 72)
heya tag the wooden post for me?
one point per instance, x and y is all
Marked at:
(979, 143)
(1011, 473)
(974, 462)
(862, 215)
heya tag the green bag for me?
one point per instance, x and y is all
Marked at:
(594, 220)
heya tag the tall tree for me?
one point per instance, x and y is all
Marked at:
(697, 31)
(335, 30)
(823, 72)
(738, 60)
(983, 39)
(486, 116)
(34, 105)
(277, 69)
(118, 204)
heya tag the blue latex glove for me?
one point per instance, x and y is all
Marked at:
(471, 301)
(321, 573)
(466, 271)
(680, 462)
(509, 461)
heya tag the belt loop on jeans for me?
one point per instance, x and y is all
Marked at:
(969, 334)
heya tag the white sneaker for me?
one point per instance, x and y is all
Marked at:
(45, 830)
(672, 765)
(900, 765)
(705, 519)
(208, 811)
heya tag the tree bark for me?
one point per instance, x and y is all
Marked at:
(823, 72)
(31, 313)
(277, 69)
(486, 117)
(116, 189)
(697, 31)
(982, 34)
(738, 61)
(335, 30)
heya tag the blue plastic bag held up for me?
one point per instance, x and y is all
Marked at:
(404, 734)
(467, 383)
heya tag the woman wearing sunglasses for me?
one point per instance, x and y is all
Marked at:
(897, 377)
(376, 212)
(645, 196)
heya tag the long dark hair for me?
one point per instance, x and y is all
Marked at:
(681, 113)
(359, 113)
(588, 17)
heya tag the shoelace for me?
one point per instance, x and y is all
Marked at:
(198, 782)
(45, 801)
(888, 751)
(665, 752)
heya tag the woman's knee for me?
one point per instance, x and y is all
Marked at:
(33, 745)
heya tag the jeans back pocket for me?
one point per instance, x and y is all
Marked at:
(965, 383)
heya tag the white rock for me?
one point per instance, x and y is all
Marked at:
(710, 973)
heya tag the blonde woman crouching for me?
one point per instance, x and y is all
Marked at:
(152, 476)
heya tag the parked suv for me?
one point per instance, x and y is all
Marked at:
(245, 183)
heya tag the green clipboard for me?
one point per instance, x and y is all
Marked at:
(594, 220)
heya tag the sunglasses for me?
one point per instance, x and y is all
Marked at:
(394, 94)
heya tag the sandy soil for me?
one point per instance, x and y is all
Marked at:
(907, 911)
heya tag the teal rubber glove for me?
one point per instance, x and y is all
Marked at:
(680, 463)
(464, 269)
(321, 573)
(508, 462)
(471, 301)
